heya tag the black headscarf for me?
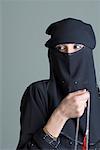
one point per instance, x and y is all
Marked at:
(72, 72)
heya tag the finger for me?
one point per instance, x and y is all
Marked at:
(84, 97)
(85, 105)
(79, 92)
(80, 111)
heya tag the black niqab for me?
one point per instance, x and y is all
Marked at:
(69, 73)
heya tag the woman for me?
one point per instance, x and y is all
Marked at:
(50, 108)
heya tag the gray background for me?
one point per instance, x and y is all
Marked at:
(24, 56)
(0, 72)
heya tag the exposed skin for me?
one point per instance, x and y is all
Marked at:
(69, 48)
(72, 106)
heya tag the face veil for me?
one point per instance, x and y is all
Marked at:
(72, 72)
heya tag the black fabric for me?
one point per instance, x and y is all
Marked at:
(75, 71)
(33, 108)
(71, 30)
(71, 73)
(33, 119)
(68, 73)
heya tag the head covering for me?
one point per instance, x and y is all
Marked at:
(71, 31)
(69, 73)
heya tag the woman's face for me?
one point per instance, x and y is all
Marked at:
(69, 48)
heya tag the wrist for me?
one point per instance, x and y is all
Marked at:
(55, 123)
(47, 132)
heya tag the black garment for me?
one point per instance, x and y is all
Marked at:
(36, 108)
(71, 73)
(75, 71)
(68, 73)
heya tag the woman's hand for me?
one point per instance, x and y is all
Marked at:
(72, 106)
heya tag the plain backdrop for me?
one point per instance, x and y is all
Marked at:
(23, 58)
(0, 72)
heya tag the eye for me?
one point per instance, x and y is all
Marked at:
(78, 46)
(61, 48)
(69, 48)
